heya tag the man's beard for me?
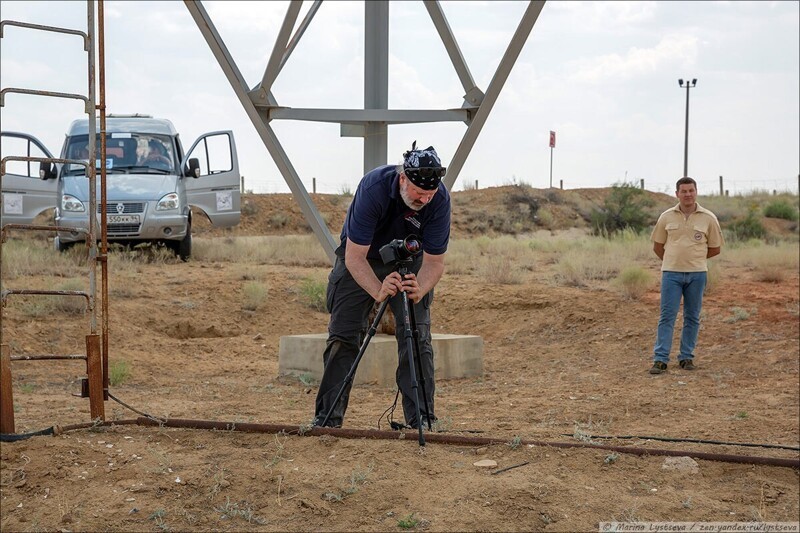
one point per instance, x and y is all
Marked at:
(411, 204)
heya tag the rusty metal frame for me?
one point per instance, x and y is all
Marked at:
(96, 349)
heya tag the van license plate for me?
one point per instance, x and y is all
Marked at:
(122, 219)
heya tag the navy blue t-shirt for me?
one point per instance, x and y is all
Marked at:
(378, 215)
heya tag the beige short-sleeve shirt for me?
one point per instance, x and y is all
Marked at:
(686, 240)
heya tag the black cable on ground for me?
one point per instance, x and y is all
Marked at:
(700, 441)
(13, 437)
(151, 417)
(55, 430)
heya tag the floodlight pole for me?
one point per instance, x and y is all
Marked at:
(689, 84)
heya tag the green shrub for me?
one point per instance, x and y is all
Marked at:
(749, 227)
(408, 522)
(313, 294)
(781, 209)
(625, 207)
(118, 372)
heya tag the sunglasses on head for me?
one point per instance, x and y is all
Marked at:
(426, 172)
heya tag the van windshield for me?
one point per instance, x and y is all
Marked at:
(125, 153)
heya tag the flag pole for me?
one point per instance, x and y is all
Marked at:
(552, 145)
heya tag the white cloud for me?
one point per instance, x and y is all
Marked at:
(672, 50)
(603, 74)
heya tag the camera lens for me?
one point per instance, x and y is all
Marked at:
(412, 246)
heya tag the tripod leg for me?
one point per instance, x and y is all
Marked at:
(418, 358)
(409, 336)
(373, 329)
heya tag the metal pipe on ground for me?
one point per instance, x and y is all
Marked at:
(457, 439)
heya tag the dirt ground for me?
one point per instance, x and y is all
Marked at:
(560, 364)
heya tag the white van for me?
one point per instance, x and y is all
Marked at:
(151, 184)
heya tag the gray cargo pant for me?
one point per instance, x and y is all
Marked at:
(349, 306)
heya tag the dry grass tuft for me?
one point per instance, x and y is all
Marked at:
(254, 294)
(290, 250)
(634, 281)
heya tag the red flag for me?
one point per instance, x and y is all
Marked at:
(552, 139)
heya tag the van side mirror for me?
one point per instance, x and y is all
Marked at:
(47, 170)
(194, 168)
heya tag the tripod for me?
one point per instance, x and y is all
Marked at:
(411, 337)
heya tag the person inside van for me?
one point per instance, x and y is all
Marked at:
(80, 152)
(157, 156)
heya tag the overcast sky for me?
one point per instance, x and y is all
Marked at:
(603, 75)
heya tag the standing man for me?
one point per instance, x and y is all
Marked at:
(684, 238)
(391, 202)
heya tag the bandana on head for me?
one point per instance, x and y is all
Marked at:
(423, 168)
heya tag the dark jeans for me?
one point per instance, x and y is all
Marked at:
(349, 306)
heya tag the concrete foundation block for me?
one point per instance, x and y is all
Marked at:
(454, 356)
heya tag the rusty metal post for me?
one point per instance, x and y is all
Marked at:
(94, 369)
(6, 395)
(103, 200)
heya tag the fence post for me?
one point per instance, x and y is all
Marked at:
(476, 185)
(6, 395)
(314, 185)
(561, 184)
(242, 191)
(94, 371)
(726, 192)
(642, 183)
(721, 188)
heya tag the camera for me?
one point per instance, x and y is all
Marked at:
(400, 249)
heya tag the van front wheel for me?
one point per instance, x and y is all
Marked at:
(183, 247)
(62, 246)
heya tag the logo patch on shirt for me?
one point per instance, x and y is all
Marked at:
(411, 218)
(698, 236)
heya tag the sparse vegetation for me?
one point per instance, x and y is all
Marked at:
(545, 218)
(254, 294)
(312, 294)
(242, 509)
(502, 270)
(634, 281)
(118, 373)
(278, 220)
(738, 314)
(306, 379)
(408, 522)
(781, 209)
(356, 479)
(291, 250)
(158, 517)
(750, 227)
(277, 457)
(249, 208)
